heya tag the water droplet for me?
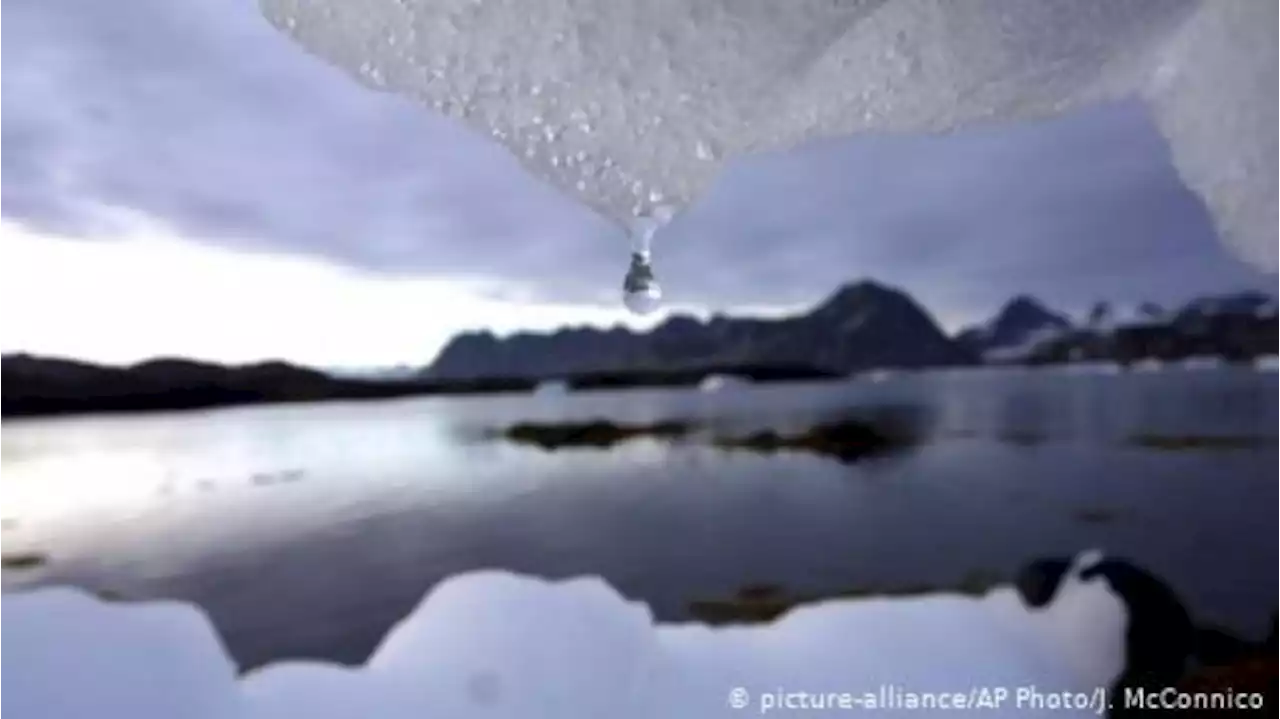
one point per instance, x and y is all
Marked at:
(555, 160)
(655, 196)
(535, 90)
(641, 293)
(580, 156)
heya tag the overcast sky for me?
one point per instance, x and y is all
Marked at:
(179, 178)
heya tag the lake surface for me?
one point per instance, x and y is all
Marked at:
(307, 530)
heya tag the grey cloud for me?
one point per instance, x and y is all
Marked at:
(201, 115)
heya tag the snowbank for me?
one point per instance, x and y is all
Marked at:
(494, 644)
(632, 106)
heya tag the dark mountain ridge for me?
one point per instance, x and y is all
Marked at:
(862, 325)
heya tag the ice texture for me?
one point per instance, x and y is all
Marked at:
(633, 104)
(493, 644)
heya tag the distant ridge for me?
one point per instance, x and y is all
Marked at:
(862, 325)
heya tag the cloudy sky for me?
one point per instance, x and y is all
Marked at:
(180, 179)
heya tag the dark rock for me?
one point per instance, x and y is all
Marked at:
(1160, 638)
(599, 434)
(23, 560)
(844, 440)
(42, 385)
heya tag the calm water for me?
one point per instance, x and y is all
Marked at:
(306, 531)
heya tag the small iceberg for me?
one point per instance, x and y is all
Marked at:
(720, 382)
(1266, 363)
(1148, 364)
(1202, 363)
(551, 388)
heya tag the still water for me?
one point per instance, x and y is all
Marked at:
(307, 530)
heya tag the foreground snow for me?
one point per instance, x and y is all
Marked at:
(632, 106)
(494, 644)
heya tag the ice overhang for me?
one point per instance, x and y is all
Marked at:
(634, 106)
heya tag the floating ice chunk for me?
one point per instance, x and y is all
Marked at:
(718, 382)
(744, 76)
(551, 388)
(1266, 363)
(1202, 363)
(1148, 364)
(492, 644)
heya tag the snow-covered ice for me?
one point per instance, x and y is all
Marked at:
(633, 105)
(493, 644)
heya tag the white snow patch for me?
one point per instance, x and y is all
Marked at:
(1026, 347)
(494, 644)
(717, 383)
(632, 104)
(874, 375)
(1147, 365)
(1207, 362)
(551, 388)
(1266, 363)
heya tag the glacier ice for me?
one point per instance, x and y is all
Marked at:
(495, 644)
(651, 98)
